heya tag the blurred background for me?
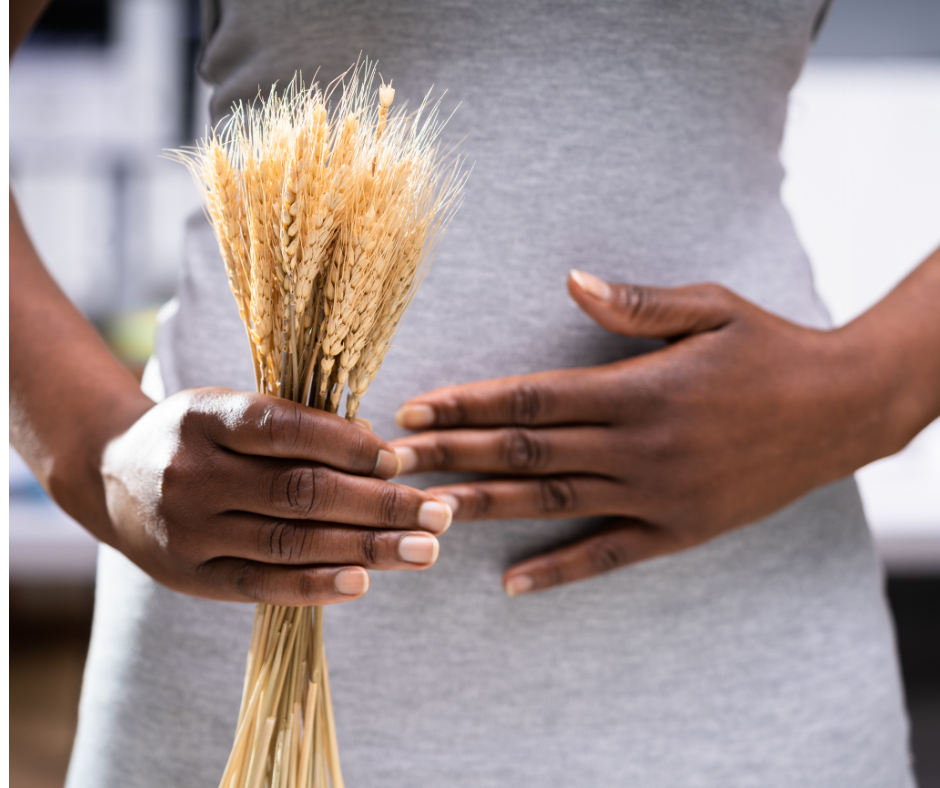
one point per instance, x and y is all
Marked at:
(104, 86)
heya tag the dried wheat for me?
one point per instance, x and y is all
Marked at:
(326, 222)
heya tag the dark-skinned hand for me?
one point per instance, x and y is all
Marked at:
(740, 413)
(244, 497)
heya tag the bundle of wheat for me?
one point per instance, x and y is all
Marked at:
(326, 221)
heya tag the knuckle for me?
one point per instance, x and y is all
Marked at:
(176, 475)
(634, 300)
(606, 553)
(281, 425)
(556, 495)
(369, 548)
(249, 580)
(392, 506)
(717, 299)
(660, 447)
(711, 291)
(281, 541)
(476, 503)
(298, 489)
(640, 399)
(523, 450)
(193, 421)
(361, 449)
(307, 585)
(451, 412)
(440, 455)
(526, 403)
(180, 477)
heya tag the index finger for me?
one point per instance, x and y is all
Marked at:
(570, 396)
(266, 426)
(627, 541)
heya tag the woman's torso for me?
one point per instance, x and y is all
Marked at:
(636, 140)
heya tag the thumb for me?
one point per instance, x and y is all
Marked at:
(655, 312)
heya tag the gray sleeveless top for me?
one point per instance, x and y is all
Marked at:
(638, 140)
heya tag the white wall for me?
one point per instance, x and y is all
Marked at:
(862, 152)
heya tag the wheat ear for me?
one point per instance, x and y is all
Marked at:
(326, 222)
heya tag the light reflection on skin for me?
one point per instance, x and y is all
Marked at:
(134, 479)
(230, 410)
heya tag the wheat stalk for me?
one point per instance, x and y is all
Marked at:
(326, 222)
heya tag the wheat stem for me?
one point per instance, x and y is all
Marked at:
(326, 221)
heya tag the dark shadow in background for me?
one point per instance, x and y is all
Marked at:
(73, 23)
(915, 603)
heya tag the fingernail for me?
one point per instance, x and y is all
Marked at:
(414, 417)
(591, 284)
(435, 516)
(361, 422)
(351, 582)
(418, 549)
(450, 500)
(387, 465)
(520, 584)
(407, 458)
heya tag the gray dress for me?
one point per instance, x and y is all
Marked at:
(638, 140)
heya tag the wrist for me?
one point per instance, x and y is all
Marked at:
(903, 333)
(74, 476)
(892, 405)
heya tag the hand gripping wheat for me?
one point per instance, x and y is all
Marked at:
(326, 221)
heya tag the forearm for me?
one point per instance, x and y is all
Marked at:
(898, 342)
(68, 394)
